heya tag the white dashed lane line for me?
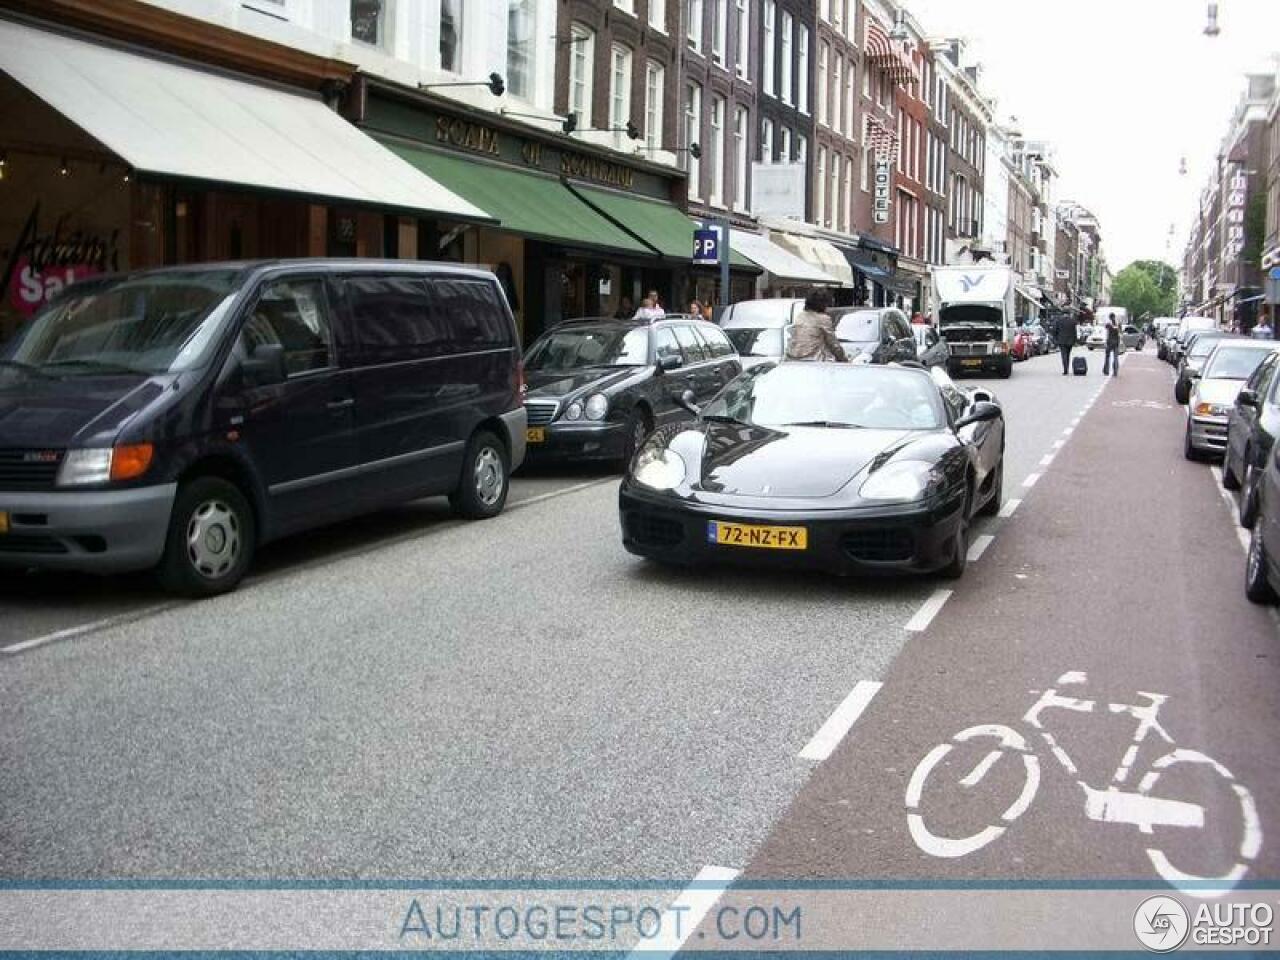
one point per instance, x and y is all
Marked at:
(841, 721)
(1242, 535)
(1046, 460)
(1031, 480)
(979, 546)
(686, 912)
(81, 629)
(1009, 507)
(928, 610)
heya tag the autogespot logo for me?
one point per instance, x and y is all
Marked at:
(1161, 924)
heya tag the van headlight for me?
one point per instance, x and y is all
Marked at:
(597, 406)
(84, 467)
(658, 468)
(901, 482)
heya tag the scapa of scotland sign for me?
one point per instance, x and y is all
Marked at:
(880, 206)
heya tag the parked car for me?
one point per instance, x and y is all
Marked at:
(758, 328)
(1187, 328)
(597, 386)
(1252, 426)
(874, 334)
(1213, 393)
(1041, 340)
(180, 418)
(1097, 339)
(1166, 328)
(842, 467)
(1024, 345)
(1199, 346)
(1133, 338)
(931, 349)
(1262, 567)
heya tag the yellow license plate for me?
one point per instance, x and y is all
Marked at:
(970, 363)
(536, 435)
(763, 538)
(4, 521)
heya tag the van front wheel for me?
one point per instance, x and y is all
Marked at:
(210, 541)
(486, 477)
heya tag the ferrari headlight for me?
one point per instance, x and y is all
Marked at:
(658, 468)
(1211, 410)
(573, 411)
(900, 482)
(597, 406)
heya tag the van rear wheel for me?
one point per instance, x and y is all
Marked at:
(486, 478)
(210, 541)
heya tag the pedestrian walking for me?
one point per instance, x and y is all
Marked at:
(1111, 359)
(813, 336)
(1065, 336)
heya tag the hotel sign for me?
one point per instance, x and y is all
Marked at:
(1235, 216)
(882, 199)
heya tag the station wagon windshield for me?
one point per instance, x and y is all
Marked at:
(580, 347)
(1234, 363)
(806, 394)
(135, 325)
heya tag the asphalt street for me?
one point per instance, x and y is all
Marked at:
(409, 696)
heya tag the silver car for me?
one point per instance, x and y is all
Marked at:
(1213, 394)
(758, 328)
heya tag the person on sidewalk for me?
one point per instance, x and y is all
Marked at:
(813, 336)
(1111, 359)
(1065, 336)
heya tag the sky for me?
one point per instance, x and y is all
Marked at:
(1123, 89)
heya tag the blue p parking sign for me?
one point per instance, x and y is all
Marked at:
(706, 247)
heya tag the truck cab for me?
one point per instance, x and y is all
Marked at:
(976, 316)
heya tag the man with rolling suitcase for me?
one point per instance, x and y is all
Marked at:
(1065, 336)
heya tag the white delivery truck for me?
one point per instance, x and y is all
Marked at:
(976, 316)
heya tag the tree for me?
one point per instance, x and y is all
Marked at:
(1146, 287)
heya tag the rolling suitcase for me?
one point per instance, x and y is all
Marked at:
(1079, 366)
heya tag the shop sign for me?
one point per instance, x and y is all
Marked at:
(467, 135)
(881, 201)
(1235, 216)
(39, 265)
(597, 169)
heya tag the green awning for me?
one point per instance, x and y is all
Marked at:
(527, 203)
(662, 224)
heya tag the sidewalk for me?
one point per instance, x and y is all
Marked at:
(1121, 564)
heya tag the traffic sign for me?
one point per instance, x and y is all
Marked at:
(706, 247)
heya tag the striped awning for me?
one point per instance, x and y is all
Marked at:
(889, 56)
(880, 138)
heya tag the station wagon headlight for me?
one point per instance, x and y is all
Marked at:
(83, 467)
(597, 406)
(658, 468)
(1211, 410)
(573, 411)
(900, 482)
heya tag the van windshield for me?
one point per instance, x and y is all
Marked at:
(971, 315)
(138, 325)
(859, 326)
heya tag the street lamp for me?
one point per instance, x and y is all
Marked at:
(1211, 28)
(495, 84)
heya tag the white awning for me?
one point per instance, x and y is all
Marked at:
(178, 121)
(776, 261)
(819, 251)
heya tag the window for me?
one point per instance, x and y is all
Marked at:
(520, 48)
(802, 148)
(824, 9)
(867, 160)
(835, 13)
(766, 141)
(292, 313)
(450, 35)
(786, 156)
(802, 95)
(850, 126)
(393, 319)
(693, 21)
(717, 342)
(833, 197)
(847, 222)
(664, 345)
(824, 56)
(767, 51)
(476, 318)
(742, 61)
(692, 134)
(690, 343)
(581, 59)
(719, 27)
(627, 5)
(717, 150)
(785, 58)
(820, 193)
(866, 80)
(837, 111)
(658, 15)
(619, 86)
(654, 87)
(369, 21)
(740, 138)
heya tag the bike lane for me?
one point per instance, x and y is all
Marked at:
(1120, 574)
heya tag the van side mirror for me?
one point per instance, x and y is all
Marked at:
(982, 412)
(265, 366)
(1247, 398)
(669, 362)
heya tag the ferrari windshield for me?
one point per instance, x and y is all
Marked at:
(143, 324)
(832, 395)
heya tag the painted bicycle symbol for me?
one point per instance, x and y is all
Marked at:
(1120, 802)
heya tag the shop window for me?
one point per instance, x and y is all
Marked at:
(369, 21)
(451, 35)
(292, 313)
(520, 47)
